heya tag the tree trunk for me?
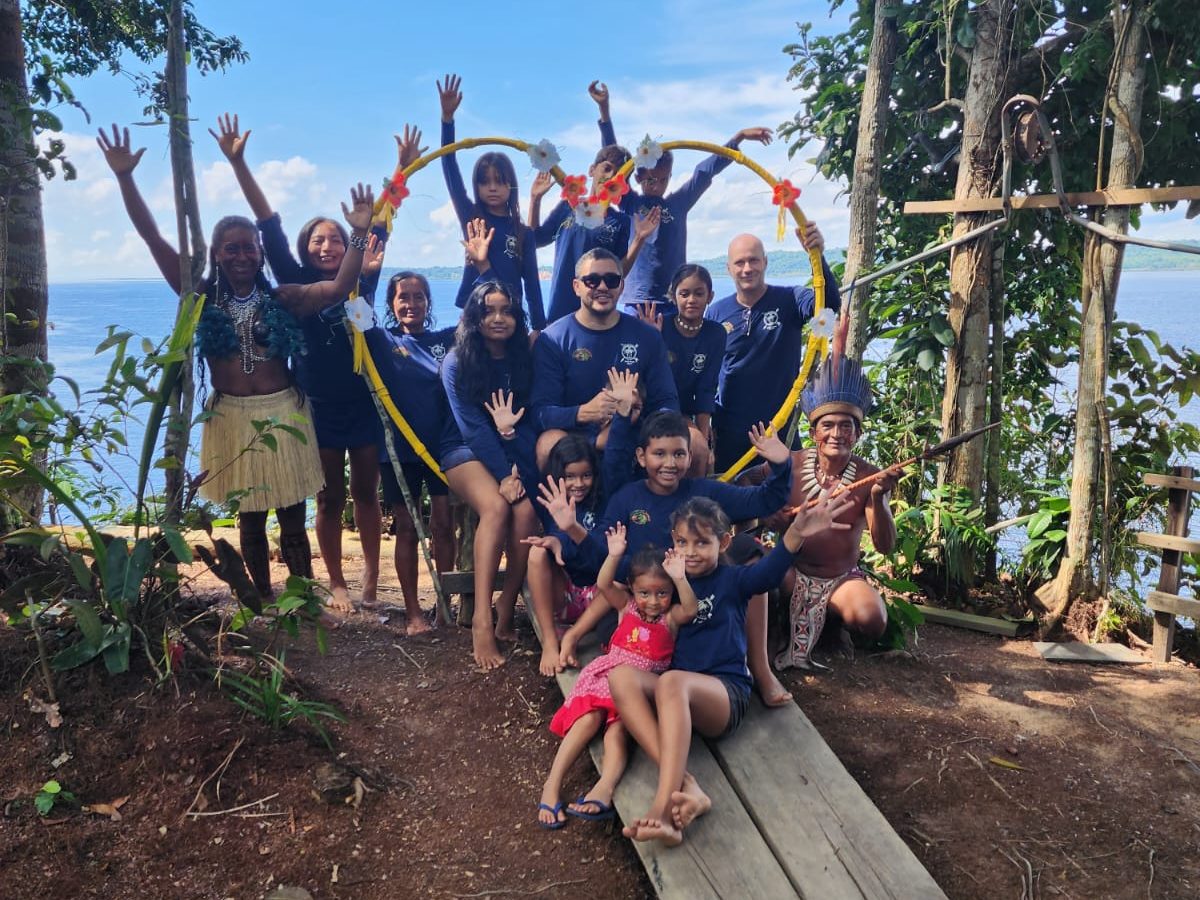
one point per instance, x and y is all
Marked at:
(191, 250)
(864, 184)
(23, 290)
(963, 403)
(995, 465)
(1101, 275)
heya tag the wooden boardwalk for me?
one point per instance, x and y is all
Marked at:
(787, 821)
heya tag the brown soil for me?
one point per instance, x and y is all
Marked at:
(1104, 804)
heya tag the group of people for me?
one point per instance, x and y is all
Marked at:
(582, 437)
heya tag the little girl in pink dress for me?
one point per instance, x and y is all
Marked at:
(645, 638)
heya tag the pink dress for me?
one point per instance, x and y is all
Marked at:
(636, 642)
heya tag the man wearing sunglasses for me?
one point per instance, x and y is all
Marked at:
(763, 345)
(572, 357)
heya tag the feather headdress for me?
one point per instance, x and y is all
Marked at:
(839, 386)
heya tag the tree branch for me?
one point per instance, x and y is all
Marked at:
(1035, 57)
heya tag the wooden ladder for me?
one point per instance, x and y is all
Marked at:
(1166, 602)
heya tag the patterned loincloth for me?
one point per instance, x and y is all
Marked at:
(810, 600)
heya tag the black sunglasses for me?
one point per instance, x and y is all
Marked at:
(610, 280)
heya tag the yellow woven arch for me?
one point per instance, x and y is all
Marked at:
(817, 346)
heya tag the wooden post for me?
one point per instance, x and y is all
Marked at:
(1178, 503)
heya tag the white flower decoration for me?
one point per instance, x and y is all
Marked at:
(824, 323)
(648, 153)
(360, 314)
(589, 214)
(543, 155)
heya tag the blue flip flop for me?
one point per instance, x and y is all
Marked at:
(605, 811)
(554, 811)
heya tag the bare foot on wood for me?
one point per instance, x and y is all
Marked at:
(773, 693)
(689, 804)
(649, 829)
(549, 666)
(487, 654)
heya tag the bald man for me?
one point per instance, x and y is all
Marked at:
(763, 347)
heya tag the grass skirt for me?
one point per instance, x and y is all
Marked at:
(236, 457)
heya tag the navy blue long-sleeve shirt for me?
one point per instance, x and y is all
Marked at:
(513, 255)
(475, 422)
(571, 241)
(665, 250)
(695, 364)
(714, 642)
(571, 363)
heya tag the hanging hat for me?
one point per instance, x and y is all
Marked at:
(839, 386)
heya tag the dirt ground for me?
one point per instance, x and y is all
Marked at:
(1007, 775)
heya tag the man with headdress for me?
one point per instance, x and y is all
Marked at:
(825, 573)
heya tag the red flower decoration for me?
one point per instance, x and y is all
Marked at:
(785, 193)
(395, 190)
(613, 189)
(574, 189)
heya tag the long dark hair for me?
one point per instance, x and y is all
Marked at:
(473, 354)
(504, 168)
(214, 283)
(390, 322)
(573, 448)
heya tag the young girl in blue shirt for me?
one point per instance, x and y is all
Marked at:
(708, 686)
(513, 257)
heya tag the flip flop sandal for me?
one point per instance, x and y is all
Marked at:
(604, 812)
(554, 811)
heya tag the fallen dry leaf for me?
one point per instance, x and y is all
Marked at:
(1005, 763)
(107, 809)
(49, 710)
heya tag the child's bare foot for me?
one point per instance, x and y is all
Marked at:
(417, 625)
(649, 829)
(689, 804)
(506, 633)
(339, 601)
(370, 589)
(773, 693)
(549, 666)
(550, 812)
(487, 654)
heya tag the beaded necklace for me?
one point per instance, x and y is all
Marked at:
(810, 481)
(244, 313)
(686, 329)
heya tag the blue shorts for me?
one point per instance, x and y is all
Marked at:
(346, 424)
(417, 475)
(739, 703)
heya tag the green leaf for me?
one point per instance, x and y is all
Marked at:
(116, 657)
(269, 442)
(43, 803)
(88, 621)
(241, 619)
(927, 359)
(179, 547)
(1039, 523)
(74, 656)
(51, 787)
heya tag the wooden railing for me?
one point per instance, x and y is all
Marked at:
(1166, 602)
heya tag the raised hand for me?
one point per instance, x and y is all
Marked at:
(598, 91)
(558, 502)
(450, 96)
(503, 416)
(647, 312)
(511, 488)
(643, 226)
(478, 242)
(818, 517)
(117, 153)
(622, 383)
(549, 543)
(373, 255)
(231, 141)
(765, 439)
(541, 185)
(811, 237)
(760, 134)
(409, 147)
(674, 565)
(363, 201)
(617, 542)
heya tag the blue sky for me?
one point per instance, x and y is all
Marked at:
(328, 84)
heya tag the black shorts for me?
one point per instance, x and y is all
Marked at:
(739, 703)
(417, 475)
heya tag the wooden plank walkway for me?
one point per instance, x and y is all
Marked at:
(788, 820)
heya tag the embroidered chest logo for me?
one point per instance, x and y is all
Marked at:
(438, 351)
(639, 517)
(589, 520)
(728, 327)
(698, 362)
(582, 354)
(770, 320)
(510, 246)
(629, 354)
(606, 234)
(704, 609)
